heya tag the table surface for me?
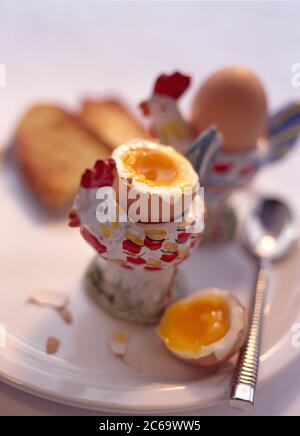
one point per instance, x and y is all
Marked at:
(66, 50)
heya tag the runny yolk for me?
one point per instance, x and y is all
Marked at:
(188, 326)
(152, 167)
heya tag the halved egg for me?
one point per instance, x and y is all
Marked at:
(205, 328)
(148, 169)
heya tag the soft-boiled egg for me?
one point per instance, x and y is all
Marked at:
(148, 169)
(205, 328)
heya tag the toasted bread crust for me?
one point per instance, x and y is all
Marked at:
(111, 121)
(54, 147)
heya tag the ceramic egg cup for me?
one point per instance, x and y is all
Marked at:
(229, 171)
(137, 277)
(135, 273)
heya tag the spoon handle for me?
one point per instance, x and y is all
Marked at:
(246, 371)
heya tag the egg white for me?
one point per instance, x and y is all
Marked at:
(144, 188)
(168, 195)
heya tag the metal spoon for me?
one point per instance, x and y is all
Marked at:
(269, 234)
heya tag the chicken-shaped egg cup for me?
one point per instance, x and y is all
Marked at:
(142, 213)
(234, 100)
(168, 123)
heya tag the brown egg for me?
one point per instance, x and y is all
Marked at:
(235, 101)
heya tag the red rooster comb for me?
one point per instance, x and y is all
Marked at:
(172, 85)
(103, 174)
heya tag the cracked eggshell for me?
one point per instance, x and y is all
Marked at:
(221, 350)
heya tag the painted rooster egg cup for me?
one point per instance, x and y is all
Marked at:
(142, 213)
(234, 100)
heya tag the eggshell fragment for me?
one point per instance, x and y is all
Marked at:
(52, 345)
(221, 350)
(118, 343)
(66, 315)
(55, 299)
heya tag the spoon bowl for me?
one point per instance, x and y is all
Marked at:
(270, 231)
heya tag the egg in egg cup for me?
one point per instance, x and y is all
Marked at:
(142, 213)
(234, 99)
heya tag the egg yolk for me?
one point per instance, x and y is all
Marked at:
(153, 167)
(190, 325)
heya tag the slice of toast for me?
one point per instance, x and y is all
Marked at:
(113, 123)
(54, 148)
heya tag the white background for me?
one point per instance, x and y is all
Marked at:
(65, 50)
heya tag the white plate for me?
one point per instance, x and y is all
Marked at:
(42, 253)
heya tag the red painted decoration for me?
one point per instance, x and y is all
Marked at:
(183, 237)
(144, 108)
(137, 260)
(153, 245)
(102, 174)
(222, 167)
(92, 240)
(172, 85)
(74, 219)
(126, 266)
(131, 247)
(169, 257)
